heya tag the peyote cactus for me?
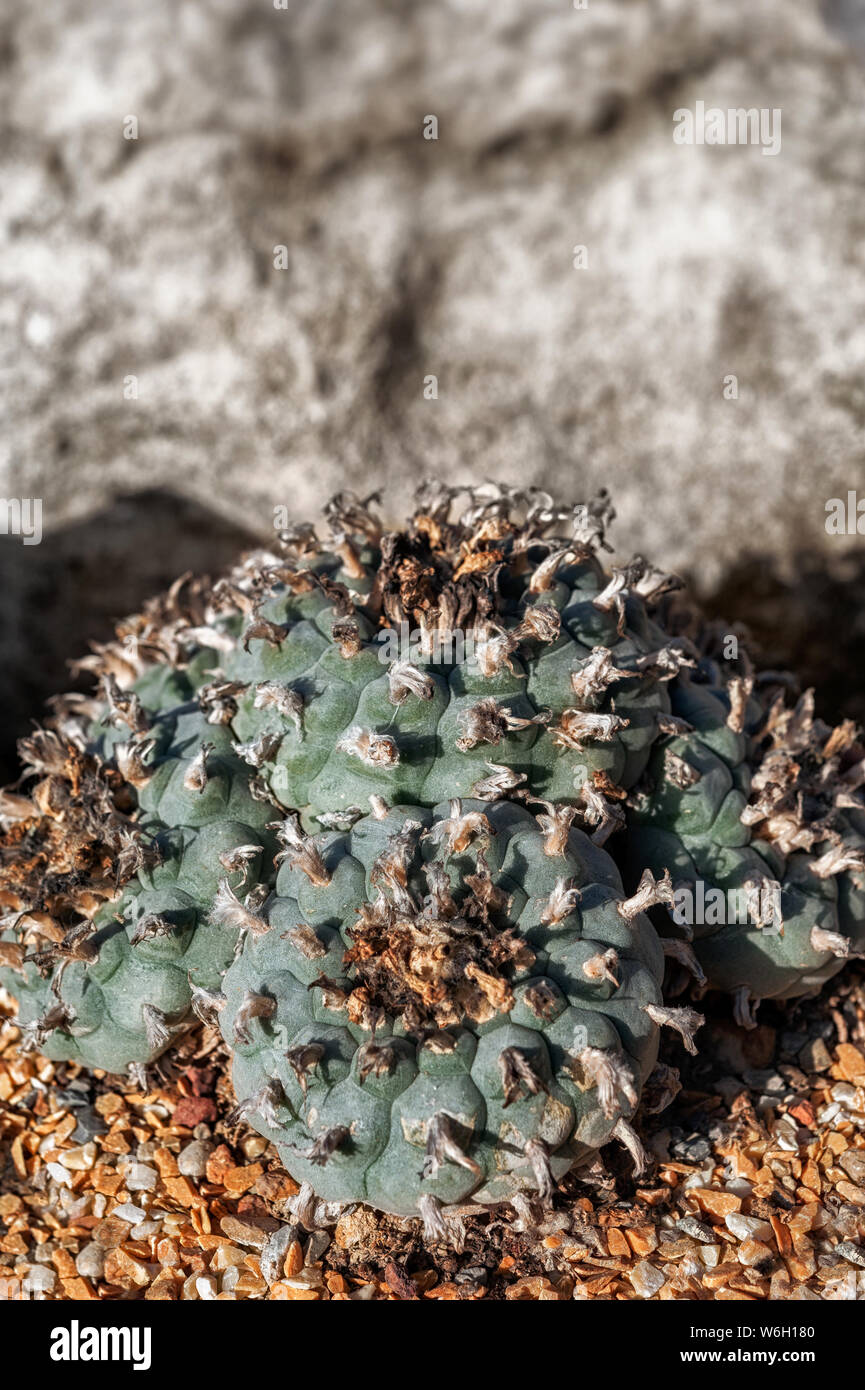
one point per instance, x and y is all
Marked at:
(528, 670)
(353, 801)
(443, 1003)
(753, 809)
(115, 987)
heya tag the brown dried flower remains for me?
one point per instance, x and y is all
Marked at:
(437, 965)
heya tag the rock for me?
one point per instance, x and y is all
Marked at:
(692, 1148)
(815, 1056)
(747, 1227)
(40, 1280)
(80, 1158)
(355, 1227)
(853, 1163)
(89, 1124)
(90, 1261)
(194, 1110)
(140, 1178)
(252, 1230)
(646, 1279)
(192, 1160)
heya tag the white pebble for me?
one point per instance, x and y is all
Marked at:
(127, 1212)
(747, 1227)
(140, 1178)
(646, 1279)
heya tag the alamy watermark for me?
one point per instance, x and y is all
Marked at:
(757, 904)
(437, 646)
(845, 517)
(77, 1343)
(738, 125)
(21, 516)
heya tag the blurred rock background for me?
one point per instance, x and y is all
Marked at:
(154, 258)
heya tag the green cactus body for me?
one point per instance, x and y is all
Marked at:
(281, 688)
(124, 994)
(765, 924)
(386, 1082)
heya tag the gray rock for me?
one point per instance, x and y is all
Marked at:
(407, 257)
(90, 1123)
(815, 1056)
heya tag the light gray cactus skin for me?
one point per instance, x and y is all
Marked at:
(455, 1072)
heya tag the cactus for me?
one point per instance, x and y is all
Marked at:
(443, 1004)
(758, 800)
(280, 688)
(354, 802)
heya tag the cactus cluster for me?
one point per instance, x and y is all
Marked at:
(365, 802)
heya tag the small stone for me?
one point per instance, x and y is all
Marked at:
(273, 1254)
(145, 1229)
(316, 1246)
(697, 1229)
(853, 1253)
(227, 1256)
(123, 1270)
(792, 1043)
(718, 1204)
(646, 1279)
(79, 1159)
(355, 1227)
(111, 1232)
(219, 1163)
(90, 1261)
(241, 1179)
(192, 1161)
(248, 1232)
(140, 1178)
(194, 1110)
(851, 1062)
(853, 1163)
(768, 1083)
(815, 1056)
(847, 1095)
(127, 1211)
(89, 1125)
(754, 1252)
(617, 1245)
(692, 1149)
(747, 1227)
(40, 1279)
(643, 1239)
